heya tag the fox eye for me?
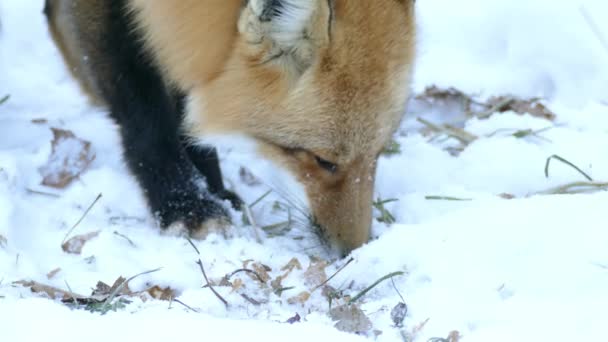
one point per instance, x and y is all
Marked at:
(327, 165)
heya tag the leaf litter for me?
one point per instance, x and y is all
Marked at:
(70, 157)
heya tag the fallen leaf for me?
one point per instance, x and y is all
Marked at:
(75, 244)
(507, 196)
(434, 93)
(350, 318)
(315, 274)
(454, 336)
(294, 263)
(302, 298)
(50, 291)
(261, 270)
(294, 319)
(70, 156)
(39, 121)
(277, 283)
(520, 106)
(398, 314)
(53, 273)
(160, 293)
(237, 284)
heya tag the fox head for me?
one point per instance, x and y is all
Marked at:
(321, 86)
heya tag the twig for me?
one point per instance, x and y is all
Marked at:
(251, 300)
(369, 288)
(567, 163)
(333, 276)
(42, 193)
(81, 218)
(247, 271)
(446, 198)
(108, 302)
(185, 305)
(497, 107)
(71, 293)
(200, 264)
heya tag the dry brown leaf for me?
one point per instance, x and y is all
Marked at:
(261, 270)
(160, 293)
(350, 318)
(507, 196)
(237, 284)
(70, 157)
(454, 336)
(53, 273)
(419, 327)
(294, 263)
(50, 291)
(520, 106)
(315, 274)
(299, 299)
(434, 93)
(40, 121)
(75, 244)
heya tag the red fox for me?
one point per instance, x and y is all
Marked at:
(319, 85)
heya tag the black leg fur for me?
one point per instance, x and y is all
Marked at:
(149, 120)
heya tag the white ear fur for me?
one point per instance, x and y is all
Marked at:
(293, 16)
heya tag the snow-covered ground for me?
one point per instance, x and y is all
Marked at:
(531, 268)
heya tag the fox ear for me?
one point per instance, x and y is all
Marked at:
(286, 19)
(286, 33)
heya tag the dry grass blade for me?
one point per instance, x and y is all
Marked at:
(86, 212)
(459, 134)
(556, 157)
(208, 283)
(334, 275)
(446, 198)
(385, 215)
(369, 288)
(575, 188)
(108, 302)
(596, 30)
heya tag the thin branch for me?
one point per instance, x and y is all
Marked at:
(200, 264)
(185, 305)
(81, 218)
(247, 271)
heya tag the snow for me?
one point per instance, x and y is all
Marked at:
(534, 268)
